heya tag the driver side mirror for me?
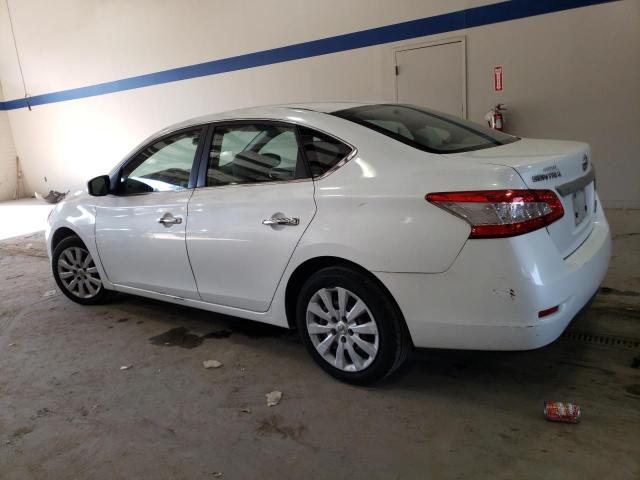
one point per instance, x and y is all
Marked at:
(99, 186)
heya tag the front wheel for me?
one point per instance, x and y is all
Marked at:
(76, 273)
(351, 326)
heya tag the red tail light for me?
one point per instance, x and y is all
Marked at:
(501, 213)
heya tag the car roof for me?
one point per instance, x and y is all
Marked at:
(272, 112)
(325, 107)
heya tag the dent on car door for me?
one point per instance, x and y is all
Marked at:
(254, 203)
(141, 224)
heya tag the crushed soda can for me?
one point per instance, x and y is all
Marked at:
(561, 411)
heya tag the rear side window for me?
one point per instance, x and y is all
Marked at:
(425, 129)
(323, 151)
(253, 153)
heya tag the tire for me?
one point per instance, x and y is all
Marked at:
(71, 259)
(375, 340)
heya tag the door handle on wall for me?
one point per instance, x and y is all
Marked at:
(167, 220)
(281, 221)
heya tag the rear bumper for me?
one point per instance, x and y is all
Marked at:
(490, 297)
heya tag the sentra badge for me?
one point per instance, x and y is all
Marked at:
(549, 173)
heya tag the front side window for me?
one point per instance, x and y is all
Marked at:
(253, 153)
(161, 167)
(323, 151)
(426, 129)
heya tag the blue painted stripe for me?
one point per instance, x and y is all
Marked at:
(448, 22)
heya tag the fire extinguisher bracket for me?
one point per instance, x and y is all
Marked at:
(495, 117)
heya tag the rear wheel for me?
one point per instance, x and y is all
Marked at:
(76, 273)
(350, 325)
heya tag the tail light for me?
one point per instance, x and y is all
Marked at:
(501, 213)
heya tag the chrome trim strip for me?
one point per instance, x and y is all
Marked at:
(254, 184)
(341, 163)
(170, 130)
(575, 185)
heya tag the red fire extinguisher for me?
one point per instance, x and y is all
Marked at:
(495, 117)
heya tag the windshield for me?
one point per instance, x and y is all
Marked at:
(425, 129)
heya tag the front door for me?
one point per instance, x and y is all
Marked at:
(140, 226)
(255, 203)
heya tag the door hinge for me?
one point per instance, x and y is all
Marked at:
(397, 70)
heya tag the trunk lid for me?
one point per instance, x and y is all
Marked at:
(561, 166)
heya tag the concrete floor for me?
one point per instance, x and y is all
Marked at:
(67, 410)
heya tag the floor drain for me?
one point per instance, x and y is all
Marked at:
(597, 339)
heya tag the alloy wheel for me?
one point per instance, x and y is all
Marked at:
(78, 273)
(342, 329)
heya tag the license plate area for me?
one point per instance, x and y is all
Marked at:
(580, 210)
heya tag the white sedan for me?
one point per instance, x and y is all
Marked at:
(371, 228)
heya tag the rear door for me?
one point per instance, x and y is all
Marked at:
(254, 202)
(140, 225)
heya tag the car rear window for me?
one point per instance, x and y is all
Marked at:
(425, 129)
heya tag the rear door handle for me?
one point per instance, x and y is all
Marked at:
(281, 221)
(167, 220)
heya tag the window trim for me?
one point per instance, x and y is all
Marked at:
(339, 163)
(117, 174)
(303, 176)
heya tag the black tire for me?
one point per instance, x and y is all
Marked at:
(102, 293)
(394, 342)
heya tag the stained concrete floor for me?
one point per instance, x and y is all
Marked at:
(67, 410)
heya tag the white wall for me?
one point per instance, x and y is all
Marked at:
(7, 157)
(571, 74)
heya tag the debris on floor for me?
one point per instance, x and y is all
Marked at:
(12, 344)
(125, 367)
(49, 293)
(52, 197)
(246, 410)
(211, 364)
(217, 474)
(561, 411)
(273, 398)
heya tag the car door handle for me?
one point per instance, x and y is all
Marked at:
(167, 220)
(281, 221)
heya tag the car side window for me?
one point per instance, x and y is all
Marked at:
(253, 153)
(163, 166)
(323, 151)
